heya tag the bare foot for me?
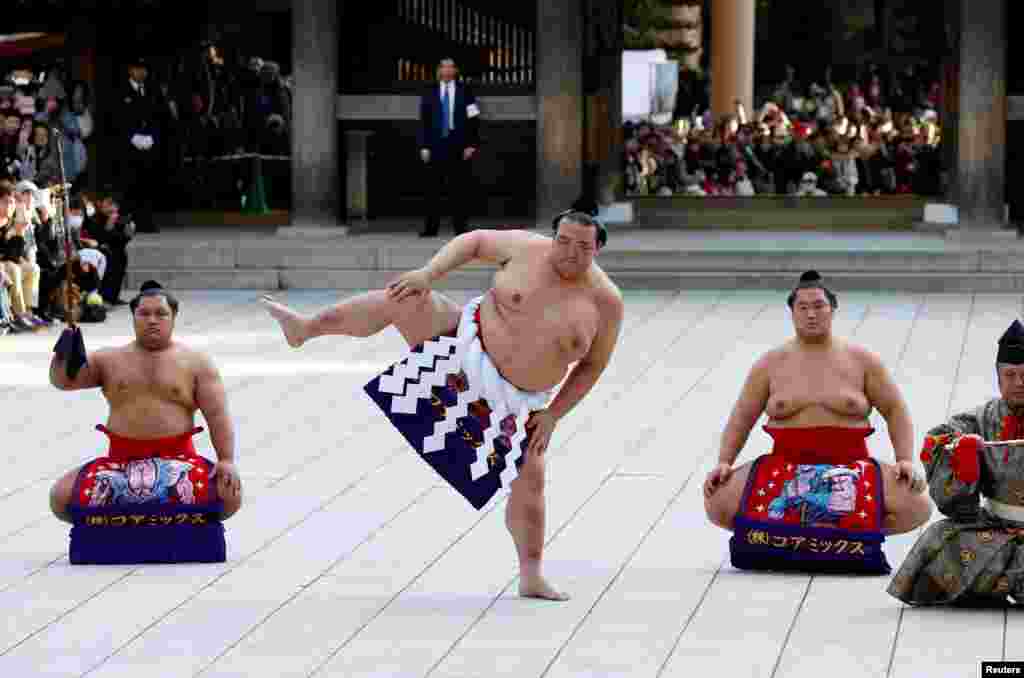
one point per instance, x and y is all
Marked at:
(535, 586)
(293, 324)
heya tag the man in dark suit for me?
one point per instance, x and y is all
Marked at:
(135, 128)
(448, 139)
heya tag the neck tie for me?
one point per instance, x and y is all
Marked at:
(445, 108)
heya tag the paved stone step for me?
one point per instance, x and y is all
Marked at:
(334, 279)
(349, 256)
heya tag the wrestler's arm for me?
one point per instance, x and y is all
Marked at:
(884, 395)
(90, 376)
(491, 246)
(748, 409)
(588, 370)
(211, 397)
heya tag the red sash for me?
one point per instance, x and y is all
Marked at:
(123, 449)
(820, 444)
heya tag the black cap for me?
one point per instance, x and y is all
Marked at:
(1011, 345)
(150, 285)
(810, 276)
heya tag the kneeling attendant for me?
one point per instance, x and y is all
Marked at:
(974, 557)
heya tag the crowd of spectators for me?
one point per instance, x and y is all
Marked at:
(33, 106)
(816, 140)
(54, 267)
(160, 132)
(173, 118)
(166, 118)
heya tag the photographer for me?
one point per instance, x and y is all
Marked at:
(49, 252)
(113, 233)
(18, 272)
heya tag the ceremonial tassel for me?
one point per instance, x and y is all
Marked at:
(926, 451)
(70, 347)
(964, 463)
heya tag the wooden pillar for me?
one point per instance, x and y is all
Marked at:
(81, 47)
(314, 132)
(979, 115)
(732, 55)
(951, 97)
(602, 78)
(559, 85)
(357, 165)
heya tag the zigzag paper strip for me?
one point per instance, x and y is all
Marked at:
(410, 368)
(422, 389)
(449, 424)
(511, 471)
(479, 467)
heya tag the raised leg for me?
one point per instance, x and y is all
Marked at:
(60, 495)
(905, 510)
(417, 318)
(722, 506)
(525, 519)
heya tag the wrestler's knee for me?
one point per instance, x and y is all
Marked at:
(723, 505)
(905, 509)
(423, 317)
(531, 475)
(60, 495)
(719, 512)
(527, 500)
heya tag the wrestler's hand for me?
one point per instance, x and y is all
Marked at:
(719, 476)
(410, 284)
(905, 473)
(229, 483)
(540, 425)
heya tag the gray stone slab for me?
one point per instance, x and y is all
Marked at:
(199, 279)
(337, 564)
(288, 253)
(186, 254)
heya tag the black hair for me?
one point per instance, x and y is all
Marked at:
(575, 216)
(812, 280)
(152, 288)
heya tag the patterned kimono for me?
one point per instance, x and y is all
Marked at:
(974, 556)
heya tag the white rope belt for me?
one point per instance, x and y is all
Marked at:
(485, 382)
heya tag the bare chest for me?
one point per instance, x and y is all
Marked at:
(835, 382)
(165, 378)
(537, 308)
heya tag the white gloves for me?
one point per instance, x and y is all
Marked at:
(143, 142)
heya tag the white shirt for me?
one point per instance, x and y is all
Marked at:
(450, 86)
(137, 86)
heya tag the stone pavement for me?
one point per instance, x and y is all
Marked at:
(350, 559)
(636, 259)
